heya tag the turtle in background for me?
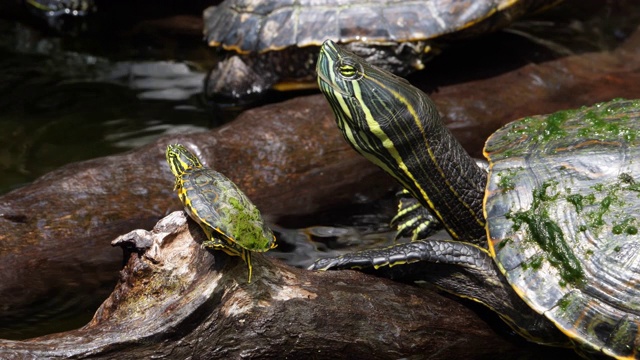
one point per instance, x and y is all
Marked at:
(61, 15)
(271, 43)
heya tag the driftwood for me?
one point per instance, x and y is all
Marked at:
(176, 300)
(59, 227)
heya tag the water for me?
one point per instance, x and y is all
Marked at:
(59, 106)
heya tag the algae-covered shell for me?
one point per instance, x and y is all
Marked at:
(563, 210)
(217, 204)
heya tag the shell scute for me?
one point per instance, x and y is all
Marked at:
(259, 26)
(218, 203)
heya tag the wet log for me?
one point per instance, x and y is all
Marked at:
(287, 157)
(177, 300)
(473, 109)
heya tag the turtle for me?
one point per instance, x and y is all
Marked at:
(231, 222)
(547, 236)
(270, 42)
(61, 15)
(54, 8)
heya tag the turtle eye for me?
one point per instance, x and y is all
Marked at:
(349, 69)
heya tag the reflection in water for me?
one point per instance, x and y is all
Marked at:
(58, 107)
(69, 305)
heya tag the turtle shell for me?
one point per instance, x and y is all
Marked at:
(263, 25)
(216, 202)
(563, 211)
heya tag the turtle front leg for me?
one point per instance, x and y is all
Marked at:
(460, 268)
(246, 256)
(413, 219)
(230, 248)
(416, 221)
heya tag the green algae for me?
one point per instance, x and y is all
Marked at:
(548, 235)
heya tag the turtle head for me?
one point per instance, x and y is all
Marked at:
(181, 160)
(378, 113)
(397, 127)
(362, 94)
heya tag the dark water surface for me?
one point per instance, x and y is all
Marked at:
(59, 106)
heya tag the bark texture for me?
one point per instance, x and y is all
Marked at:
(176, 300)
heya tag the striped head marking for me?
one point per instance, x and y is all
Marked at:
(370, 103)
(181, 160)
(397, 127)
(380, 115)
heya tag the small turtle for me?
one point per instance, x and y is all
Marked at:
(548, 237)
(229, 219)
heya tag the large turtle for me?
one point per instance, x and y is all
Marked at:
(229, 219)
(272, 41)
(548, 237)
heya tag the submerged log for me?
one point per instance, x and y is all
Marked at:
(175, 299)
